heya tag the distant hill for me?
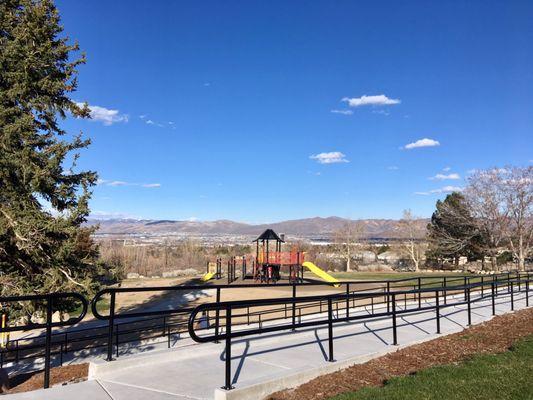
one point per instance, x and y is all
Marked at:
(307, 227)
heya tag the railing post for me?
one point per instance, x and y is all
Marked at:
(492, 289)
(512, 296)
(293, 306)
(419, 292)
(228, 349)
(217, 315)
(110, 329)
(508, 280)
(482, 286)
(347, 300)
(469, 306)
(437, 310)
(116, 340)
(527, 292)
(330, 330)
(445, 291)
(48, 342)
(394, 327)
(464, 284)
(388, 297)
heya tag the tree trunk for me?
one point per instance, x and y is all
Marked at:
(493, 263)
(348, 265)
(521, 263)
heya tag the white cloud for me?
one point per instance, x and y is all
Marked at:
(105, 115)
(445, 189)
(393, 168)
(446, 169)
(343, 112)
(333, 157)
(150, 122)
(448, 189)
(107, 182)
(103, 215)
(117, 183)
(382, 112)
(444, 177)
(142, 116)
(377, 100)
(422, 143)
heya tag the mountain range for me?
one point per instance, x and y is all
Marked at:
(307, 227)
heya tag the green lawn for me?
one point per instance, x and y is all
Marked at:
(507, 375)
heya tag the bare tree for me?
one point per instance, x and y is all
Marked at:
(347, 239)
(411, 238)
(517, 193)
(486, 201)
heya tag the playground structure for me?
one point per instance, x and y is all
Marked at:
(268, 264)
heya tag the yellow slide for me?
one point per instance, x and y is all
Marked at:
(320, 272)
(208, 276)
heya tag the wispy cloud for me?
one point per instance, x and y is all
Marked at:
(422, 143)
(117, 183)
(103, 215)
(105, 182)
(393, 168)
(343, 112)
(446, 169)
(168, 124)
(105, 115)
(444, 177)
(381, 112)
(332, 157)
(377, 100)
(445, 189)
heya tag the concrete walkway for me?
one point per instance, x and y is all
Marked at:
(262, 364)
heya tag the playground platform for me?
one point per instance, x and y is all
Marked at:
(263, 364)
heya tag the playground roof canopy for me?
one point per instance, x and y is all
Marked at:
(269, 234)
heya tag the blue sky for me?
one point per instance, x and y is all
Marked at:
(263, 111)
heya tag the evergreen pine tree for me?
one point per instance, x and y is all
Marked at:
(452, 232)
(43, 200)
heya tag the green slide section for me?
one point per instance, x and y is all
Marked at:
(320, 272)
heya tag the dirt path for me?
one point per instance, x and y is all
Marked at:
(491, 337)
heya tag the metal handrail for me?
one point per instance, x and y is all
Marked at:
(388, 287)
(230, 306)
(48, 325)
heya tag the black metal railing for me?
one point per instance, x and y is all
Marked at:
(432, 299)
(126, 326)
(49, 300)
